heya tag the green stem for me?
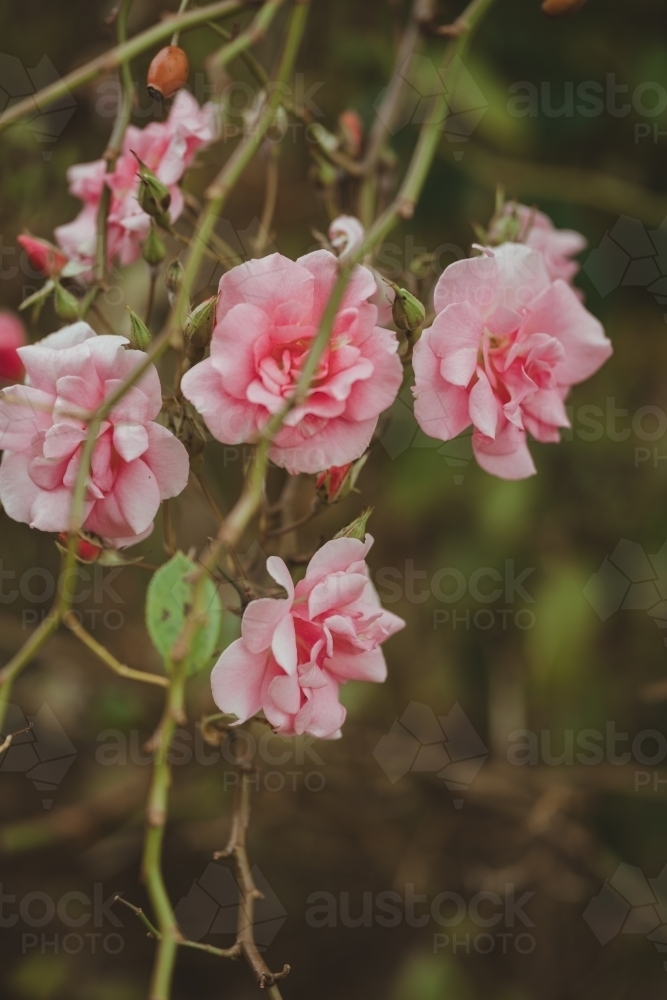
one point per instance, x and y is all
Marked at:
(117, 56)
(253, 34)
(113, 150)
(220, 189)
(156, 816)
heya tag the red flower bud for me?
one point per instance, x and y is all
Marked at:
(12, 335)
(352, 128)
(168, 72)
(86, 550)
(336, 483)
(43, 257)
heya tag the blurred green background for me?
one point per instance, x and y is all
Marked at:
(540, 658)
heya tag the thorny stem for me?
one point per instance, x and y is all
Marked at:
(156, 815)
(236, 849)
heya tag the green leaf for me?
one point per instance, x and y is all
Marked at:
(169, 606)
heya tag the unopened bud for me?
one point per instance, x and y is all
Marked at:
(87, 549)
(140, 336)
(336, 483)
(185, 424)
(357, 528)
(153, 196)
(65, 304)
(43, 257)
(153, 248)
(198, 329)
(352, 132)
(173, 279)
(407, 311)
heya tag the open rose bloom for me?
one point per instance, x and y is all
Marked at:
(295, 652)
(503, 350)
(136, 462)
(267, 315)
(167, 148)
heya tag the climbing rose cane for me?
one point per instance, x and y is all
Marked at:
(295, 652)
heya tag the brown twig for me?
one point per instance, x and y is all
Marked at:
(236, 849)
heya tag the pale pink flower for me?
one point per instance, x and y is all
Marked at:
(295, 652)
(12, 336)
(503, 350)
(167, 148)
(267, 315)
(136, 462)
(557, 246)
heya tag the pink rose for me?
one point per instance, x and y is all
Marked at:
(136, 462)
(503, 350)
(557, 246)
(294, 653)
(12, 336)
(167, 148)
(267, 315)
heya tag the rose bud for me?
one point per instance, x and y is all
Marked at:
(352, 132)
(198, 329)
(356, 528)
(12, 335)
(153, 196)
(140, 337)
(336, 483)
(173, 279)
(43, 257)
(558, 8)
(167, 73)
(86, 550)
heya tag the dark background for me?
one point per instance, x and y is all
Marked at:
(548, 664)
